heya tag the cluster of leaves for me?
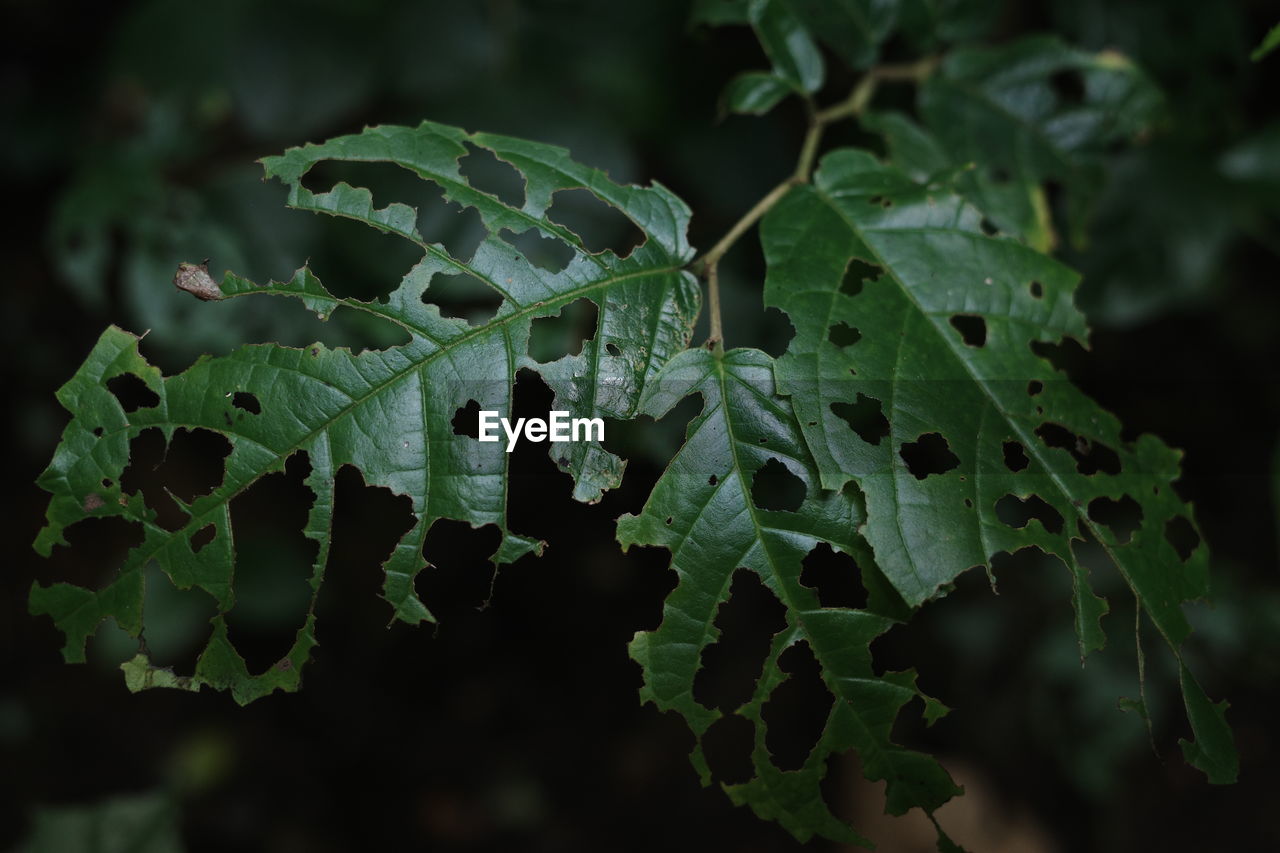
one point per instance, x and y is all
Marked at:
(916, 410)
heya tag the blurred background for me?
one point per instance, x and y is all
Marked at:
(128, 141)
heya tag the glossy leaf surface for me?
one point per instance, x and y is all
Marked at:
(389, 413)
(914, 373)
(704, 512)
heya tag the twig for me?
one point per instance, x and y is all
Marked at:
(851, 107)
(716, 339)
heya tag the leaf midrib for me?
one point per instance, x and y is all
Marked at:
(800, 626)
(1035, 447)
(197, 519)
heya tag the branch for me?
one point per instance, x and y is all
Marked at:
(851, 107)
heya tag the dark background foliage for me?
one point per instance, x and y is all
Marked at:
(129, 135)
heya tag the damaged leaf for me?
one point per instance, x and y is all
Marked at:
(987, 448)
(702, 510)
(388, 413)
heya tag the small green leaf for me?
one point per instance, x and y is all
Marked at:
(1213, 750)
(788, 43)
(755, 92)
(1031, 111)
(1016, 208)
(1270, 43)
(852, 29)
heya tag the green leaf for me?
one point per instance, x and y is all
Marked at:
(789, 31)
(703, 511)
(390, 412)
(1270, 43)
(1036, 110)
(852, 29)
(788, 43)
(755, 92)
(913, 372)
(1017, 208)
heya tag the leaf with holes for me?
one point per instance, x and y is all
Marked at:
(964, 440)
(388, 413)
(704, 512)
(1025, 113)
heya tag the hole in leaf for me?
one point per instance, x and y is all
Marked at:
(1064, 356)
(202, 537)
(97, 432)
(1123, 516)
(177, 624)
(1015, 456)
(463, 295)
(460, 576)
(175, 639)
(1182, 535)
(273, 564)
(191, 466)
(486, 173)
(1068, 85)
(972, 329)
(601, 226)
(844, 335)
(865, 416)
(146, 453)
(613, 350)
(929, 454)
(712, 480)
(466, 421)
(1037, 290)
(368, 263)
(747, 622)
(132, 392)
(1091, 456)
(775, 488)
(194, 464)
(837, 787)
(1034, 387)
(459, 230)
(247, 402)
(988, 227)
(1017, 513)
(727, 746)
(97, 547)
(563, 334)
(834, 576)
(368, 522)
(856, 275)
(775, 332)
(548, 253)
(797, 710)
(346, 250)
